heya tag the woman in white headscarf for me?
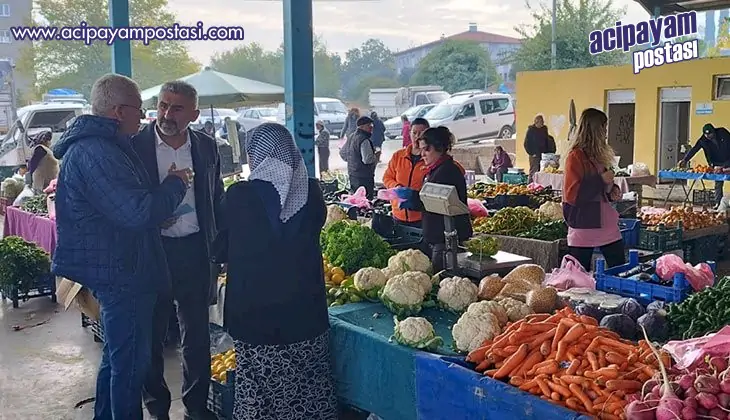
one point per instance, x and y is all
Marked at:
(276, 308)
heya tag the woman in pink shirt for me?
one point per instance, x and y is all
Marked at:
(588, 190)
(406, 131)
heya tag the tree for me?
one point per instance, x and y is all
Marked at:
(371, 60)
(574, 23)
(253, 62)
(723, 40)
(456, 65)
(66, 64)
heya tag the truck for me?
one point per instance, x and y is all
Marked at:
(393, 102)
(7, 102)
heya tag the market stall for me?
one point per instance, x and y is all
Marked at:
(701, 196)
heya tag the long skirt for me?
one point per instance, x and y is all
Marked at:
(285, 382)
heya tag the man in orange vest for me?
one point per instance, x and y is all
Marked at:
(407, 169)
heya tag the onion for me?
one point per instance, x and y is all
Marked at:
(725, 386)
(724, 400)
(687, 381)
(688, 413)
(707, 400)
(670, 407)
(707, 383)
(637, 410)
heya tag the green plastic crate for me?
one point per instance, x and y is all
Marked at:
(662, 239)
(514, 179)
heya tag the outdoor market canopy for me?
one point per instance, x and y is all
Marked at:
(667, 7)
(223, 90)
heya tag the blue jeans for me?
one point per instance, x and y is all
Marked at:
(127, 322)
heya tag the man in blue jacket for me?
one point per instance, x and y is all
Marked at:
(108, 217)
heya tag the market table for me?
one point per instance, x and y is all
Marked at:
(626, 183)
(676, 176)
(32, 228)
(400, 383)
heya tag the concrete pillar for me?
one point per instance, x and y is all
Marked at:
(121, 50)
(299, 77)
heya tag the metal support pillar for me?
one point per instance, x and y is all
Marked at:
(299, 77)
(553, 44)
(121, 50)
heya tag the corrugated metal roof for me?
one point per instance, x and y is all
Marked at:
(677, 6)
(476, 36)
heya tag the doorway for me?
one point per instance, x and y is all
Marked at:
(621, 118)
(674, 123)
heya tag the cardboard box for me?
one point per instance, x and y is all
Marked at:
(69, 292)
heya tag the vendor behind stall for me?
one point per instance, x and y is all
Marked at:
(43, 167)
(588, 192)
(441, 168)
(501, 162)
(715, 142)
(407, 169)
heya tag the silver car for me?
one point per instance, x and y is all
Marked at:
(394, 126)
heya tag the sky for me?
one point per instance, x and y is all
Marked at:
(344, 24)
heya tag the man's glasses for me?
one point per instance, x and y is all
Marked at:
(141, 110)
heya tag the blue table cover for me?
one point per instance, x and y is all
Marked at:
(690, 175)
(445, 390)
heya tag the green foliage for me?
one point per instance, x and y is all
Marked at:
(352, 246)
(723, 40)
(456, 65)
(21, 263)
(64, 64)
(575, 20)
(254, 62)
(372, 62)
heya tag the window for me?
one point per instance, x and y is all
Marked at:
(4, 10)
(487, 106)
(500, 104)
(4, 36)
(491, 106)
(722, 88)
(421, 100)
(468, 111)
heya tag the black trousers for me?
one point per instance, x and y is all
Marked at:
(613, 253)
(324, 159)
(367, 182)
(190, 273)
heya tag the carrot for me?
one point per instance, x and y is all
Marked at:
(537, 328)
(550, 369)
(613, 357)
(574, 333)
(536, 318)
(516, 381)
(512, 362)
(510, 349)
(562, 350)
(582, 397)
(543, 386)
(555, 396)
(626, 385)
(601, 358)
(608, 372)
(573, 403)
(560, 331)
(538, 339)
(592, 359)
(490, 372)
(528, 385)
(574, 365)
(588, 320)
(481, 367)
(560, 389)
(573, 379)
(530, 361)
(545, 347)
(608, 416)
(478, 355)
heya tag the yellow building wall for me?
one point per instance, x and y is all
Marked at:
(549, 93)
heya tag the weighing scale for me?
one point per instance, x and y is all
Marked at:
(444, 199)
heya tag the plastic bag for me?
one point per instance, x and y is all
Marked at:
(359, 199)
(639, 169)
(692, 352)
(699, 276)
(570, 274)
(389, 194)
(51, 188)
(476, 208)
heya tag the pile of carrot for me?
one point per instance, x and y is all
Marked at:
(568, 359)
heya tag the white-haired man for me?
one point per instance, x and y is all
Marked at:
(108, 217)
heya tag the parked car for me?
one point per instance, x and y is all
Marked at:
(468, 92)
(472, 117)
(331, 111)
(253, 117)
(394, 126)
(216, 116)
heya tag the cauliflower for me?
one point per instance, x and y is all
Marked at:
(551, 210)
(489, 307)
(471, 330)
(416, 332)
(403, 296)
(516, 310)
(335, 213)
(457, 293)
(421, 278)
(368, 279)
(390, 272)
(410, 260)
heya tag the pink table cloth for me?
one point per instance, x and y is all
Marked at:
(32, 228)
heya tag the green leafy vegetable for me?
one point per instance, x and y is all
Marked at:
(352, 246)
(21, 263)
(36, 204)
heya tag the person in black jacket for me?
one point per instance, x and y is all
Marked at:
(361, 157)
(715, 142)
(537, 142)
(435, 144)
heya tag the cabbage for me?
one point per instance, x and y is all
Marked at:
(657, 305)
(632, 308)
(551, 210)
(621, 324)
(655, 324)
(590, 310)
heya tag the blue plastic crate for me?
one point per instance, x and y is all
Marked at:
(629, 231)
(644, 292)
(220, 396)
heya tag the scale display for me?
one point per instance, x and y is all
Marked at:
(442, 199)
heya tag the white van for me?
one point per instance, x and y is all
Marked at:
(32, 119)
(332, 112)
(470, 117)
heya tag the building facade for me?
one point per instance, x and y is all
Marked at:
(14, 13)
(499, 48)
